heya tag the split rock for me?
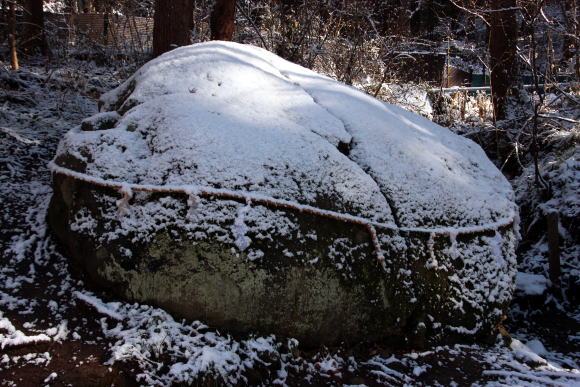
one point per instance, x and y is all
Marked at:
(231, 186)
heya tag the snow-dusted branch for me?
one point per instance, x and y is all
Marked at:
(470, 11)
(99, 306)
(508, 9)
(18, 137)
(480, 12)
(551, 116)
(16, 338)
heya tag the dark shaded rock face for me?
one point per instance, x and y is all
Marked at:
(221, 190)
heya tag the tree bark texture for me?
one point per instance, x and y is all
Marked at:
(503, 35)
(222, 20)
(34, 38)
(12, 37)
(172, 26)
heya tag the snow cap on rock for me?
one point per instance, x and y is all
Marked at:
(238, 117)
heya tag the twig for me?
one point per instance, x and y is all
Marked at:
(18, 137)
(559, 118)
(241, 9)
(470, 11)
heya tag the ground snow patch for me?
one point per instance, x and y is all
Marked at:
(12, 337)
(531, 284)
(526, 354)
(537, 347)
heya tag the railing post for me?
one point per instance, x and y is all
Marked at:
(552, 221)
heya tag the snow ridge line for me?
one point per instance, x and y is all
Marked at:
(126, 189)
(99, 306)
(345, 125)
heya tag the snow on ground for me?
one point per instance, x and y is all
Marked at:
(40, 300)
(531, 284)
(562, 169)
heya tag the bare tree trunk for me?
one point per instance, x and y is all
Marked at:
(173, 22)
(12, 37)
(555, 271)
(88, 6)
(34, 38)
(503, 34)
(572, 40)
(73, 6)
(222, 20)
(106, 26)
(98, 6)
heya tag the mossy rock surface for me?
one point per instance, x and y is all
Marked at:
(195, 193)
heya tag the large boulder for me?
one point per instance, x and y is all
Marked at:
(226, 184)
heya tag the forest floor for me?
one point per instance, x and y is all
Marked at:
(55, 330)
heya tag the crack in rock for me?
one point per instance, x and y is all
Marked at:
(345, 148)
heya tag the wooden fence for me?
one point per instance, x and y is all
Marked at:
(131, 33)
(121, 33)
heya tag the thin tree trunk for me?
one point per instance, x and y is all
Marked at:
(73, 7)
(503, 34)
(12, 37)
(89, 7)
(553, 222)
(222, 20)
(34, 38)
(572, 5)
(173, 22)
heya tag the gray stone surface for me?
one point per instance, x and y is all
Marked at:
(258, 267)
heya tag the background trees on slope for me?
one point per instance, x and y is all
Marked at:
(365, 42)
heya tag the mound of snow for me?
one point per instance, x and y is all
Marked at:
(258, 123)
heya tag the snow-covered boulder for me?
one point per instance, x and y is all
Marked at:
(226, 184)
